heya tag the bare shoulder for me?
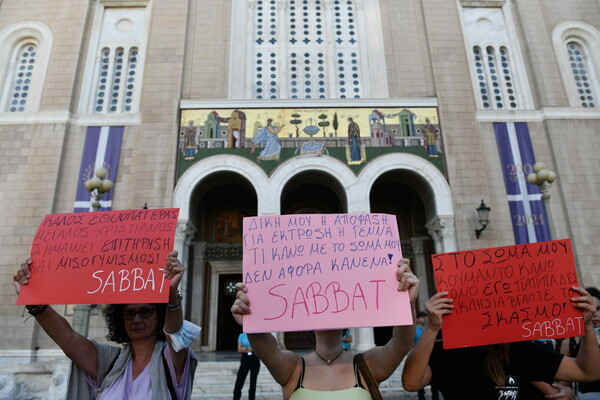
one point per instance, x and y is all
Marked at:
(294, 362)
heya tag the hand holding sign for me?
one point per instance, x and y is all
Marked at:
(508, 294)
(102, 258)
(407, 282)
(438, 306)
(305, 272)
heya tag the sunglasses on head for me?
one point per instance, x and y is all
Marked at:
(144, 313)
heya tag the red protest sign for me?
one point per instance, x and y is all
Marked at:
(509, 294)
(101, 258)
(322, 271)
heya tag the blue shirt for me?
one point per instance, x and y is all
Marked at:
(243, 339)
(418, 332)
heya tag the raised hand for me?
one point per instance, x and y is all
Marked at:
(173, 269)
(241, 305)
(407, 280)
(586, 303)
(437, 306)
(22, 276)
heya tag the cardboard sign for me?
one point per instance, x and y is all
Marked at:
(330, 271)
(101, 258)
(509, 294)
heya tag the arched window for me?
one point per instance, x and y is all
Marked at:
(494, 78)
(23, 71)
(21, 77)
(116, 82)
(499, 78)
(113, 74)
(573, 43)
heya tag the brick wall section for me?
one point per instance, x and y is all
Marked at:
(208, 42)
(67, 24)
(30, 157)
(463, 142)
(576, 194)
(537, 20)
(407, 56)
(150, 148)
(540, 58)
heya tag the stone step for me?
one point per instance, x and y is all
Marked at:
(214, 380)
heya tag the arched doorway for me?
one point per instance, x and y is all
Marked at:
(313, 192)
(407, 196)
(310, 192)
(217, 206)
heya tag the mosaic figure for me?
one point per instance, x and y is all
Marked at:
(267, 137)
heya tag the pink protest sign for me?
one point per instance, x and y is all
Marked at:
(329, 271)
(509, 294)
(101, 258)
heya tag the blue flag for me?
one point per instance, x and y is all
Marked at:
(101, 149)
(528, 214)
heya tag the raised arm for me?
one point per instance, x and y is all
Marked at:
(383, 360)
(174, 314)
(417, 373)
(281, 364)
(79, 349)
(585, 367)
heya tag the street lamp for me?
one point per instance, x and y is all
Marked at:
(483, 212)
(98, 186)
(543, 178)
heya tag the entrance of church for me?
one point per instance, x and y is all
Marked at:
(227, 329)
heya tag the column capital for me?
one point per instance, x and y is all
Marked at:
(442, 230)
(440, 226)
(185, 232)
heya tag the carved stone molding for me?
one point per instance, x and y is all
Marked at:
(440, 227)
(218, 251)
(185, 232)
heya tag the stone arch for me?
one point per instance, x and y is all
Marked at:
(328, 165)
(442, 196)
(221, 163)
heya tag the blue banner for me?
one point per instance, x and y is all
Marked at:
(528, 214)
(101, 149)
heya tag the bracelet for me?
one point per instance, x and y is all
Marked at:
(177, 305)
(35, 310)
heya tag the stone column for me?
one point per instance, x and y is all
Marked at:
(280, 336)
(364, 339)
(183, 235)
(420, 269)
(196, 296)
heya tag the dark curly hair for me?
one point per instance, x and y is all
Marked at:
(116, 325)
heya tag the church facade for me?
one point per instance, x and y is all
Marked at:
(226, 109)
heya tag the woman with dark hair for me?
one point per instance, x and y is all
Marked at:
(155, 361)
(507, 370)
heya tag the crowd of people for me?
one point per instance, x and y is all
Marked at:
(154, 359)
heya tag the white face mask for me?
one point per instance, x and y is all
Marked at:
(184, 336)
